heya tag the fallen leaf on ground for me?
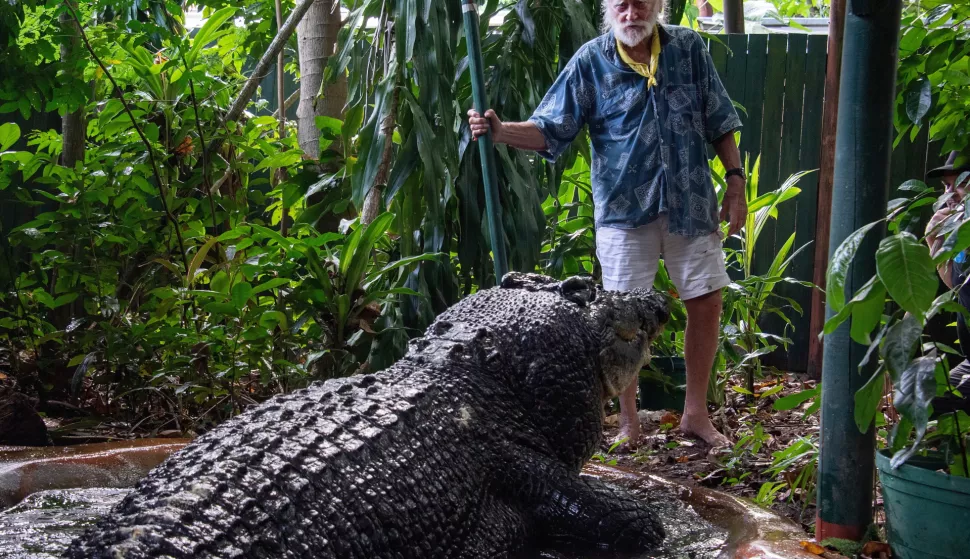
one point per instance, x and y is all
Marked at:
(670, 418)
(683, 459)
(812, 547)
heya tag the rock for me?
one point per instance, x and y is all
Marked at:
(19, 423)
(650, 416)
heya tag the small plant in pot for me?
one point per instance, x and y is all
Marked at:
(663, 381)
(923, 466)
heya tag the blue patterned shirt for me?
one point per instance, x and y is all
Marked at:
(649, 146)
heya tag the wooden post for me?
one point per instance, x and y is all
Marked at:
(733, 16)
(830, 112)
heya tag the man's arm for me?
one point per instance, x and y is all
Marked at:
(935, 242)
(522, 135)
(734, 208)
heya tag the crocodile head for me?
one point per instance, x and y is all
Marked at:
(627, 323)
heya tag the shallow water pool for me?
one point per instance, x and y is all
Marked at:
(43, 525)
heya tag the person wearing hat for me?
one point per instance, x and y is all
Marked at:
(955, 176)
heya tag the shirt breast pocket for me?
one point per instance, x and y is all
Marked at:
(684, 112)
(621, 109)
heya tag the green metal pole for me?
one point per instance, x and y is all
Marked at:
(861, 178)
(493, 207)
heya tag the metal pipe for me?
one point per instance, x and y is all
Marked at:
(830, 114)
(493, 206)
(733, 16)
(863, 147)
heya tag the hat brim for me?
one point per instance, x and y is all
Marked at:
(939, 172)
(946, 170)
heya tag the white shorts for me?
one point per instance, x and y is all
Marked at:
(630, 258)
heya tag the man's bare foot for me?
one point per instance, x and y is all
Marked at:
(700, 427)
(629, 430)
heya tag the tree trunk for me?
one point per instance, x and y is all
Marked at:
(733, 16)
(72, 124)
(372, 202)
(317, 39)
(261, 70)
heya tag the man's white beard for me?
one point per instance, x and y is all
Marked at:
(632, 34)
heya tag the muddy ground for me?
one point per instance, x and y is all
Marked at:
(772, 462)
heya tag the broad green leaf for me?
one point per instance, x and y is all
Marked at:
(898, 346)
(65, 299)
(794, 400)
(771, 391)
(912, 39)
(867, 400)
(225, 309)
(839, 267)
(372, 142)
(914, 392)
(9, 134)
(209, 32)
(220, 282)
(44, 298)
(241, 292)
(403, 262)
(357, 256)
(271, 284)
(846, 311)
(900, 434)
(953, 425)
(955, 242)
(918, 101)
(330, 125)
(914, 185)
(197, 261)
(906, 270)
(405, 165)
(272, 319)
(77, 360)
(867, 311)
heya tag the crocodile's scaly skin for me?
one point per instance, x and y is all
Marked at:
(470, 446)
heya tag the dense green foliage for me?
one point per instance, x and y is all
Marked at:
(172, 284)
(932, 77)
(933, 83)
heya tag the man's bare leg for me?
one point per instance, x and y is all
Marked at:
(700, 341)
(629, 420)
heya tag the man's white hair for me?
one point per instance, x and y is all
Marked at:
(606, 22)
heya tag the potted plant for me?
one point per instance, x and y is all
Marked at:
(923, 466)
(663, 381)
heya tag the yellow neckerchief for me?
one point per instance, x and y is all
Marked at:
(648, 71)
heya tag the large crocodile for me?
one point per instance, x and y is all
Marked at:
(470, 446)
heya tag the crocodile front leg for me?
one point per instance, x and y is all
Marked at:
(567, 508)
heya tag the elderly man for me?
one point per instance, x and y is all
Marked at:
(652, 101)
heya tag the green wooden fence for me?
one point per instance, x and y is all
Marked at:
(779, 80)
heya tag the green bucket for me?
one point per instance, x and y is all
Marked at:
(665, 391)
(927, 512)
